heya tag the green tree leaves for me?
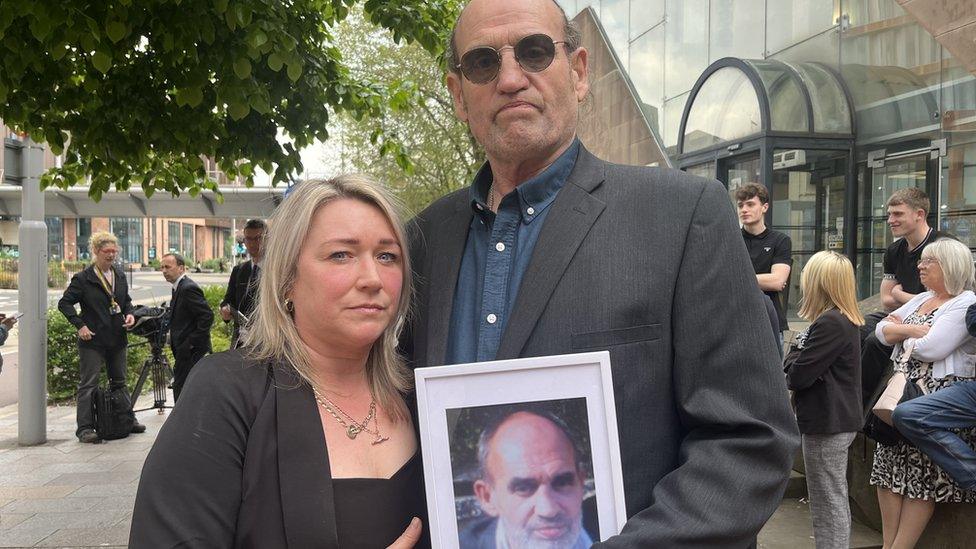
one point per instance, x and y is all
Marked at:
(137, 92)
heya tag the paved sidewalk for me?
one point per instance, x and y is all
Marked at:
(67, 494)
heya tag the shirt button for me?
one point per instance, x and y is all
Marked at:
(530, 210)
(500, 246)
(492, 318)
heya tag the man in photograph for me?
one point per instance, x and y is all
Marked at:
(553, 251)
(243, 285)
(190, 319)
(530, 486)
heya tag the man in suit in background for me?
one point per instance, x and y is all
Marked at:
(552, 251)
(190, 319)
(243, 285)
(106, 312)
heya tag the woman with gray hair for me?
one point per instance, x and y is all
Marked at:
(302, 438)
(931, 328)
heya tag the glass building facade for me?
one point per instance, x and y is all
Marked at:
(831, 104)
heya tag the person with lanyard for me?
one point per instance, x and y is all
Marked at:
(106, 313)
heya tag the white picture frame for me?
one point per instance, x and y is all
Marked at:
(451, 400)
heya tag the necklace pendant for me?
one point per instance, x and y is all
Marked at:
(380, 440)
(352, 431)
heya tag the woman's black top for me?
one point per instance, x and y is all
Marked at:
(825, 375)
(374, 512)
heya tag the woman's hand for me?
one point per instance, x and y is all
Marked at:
(894, 319)
(916, 330)
(409, 537)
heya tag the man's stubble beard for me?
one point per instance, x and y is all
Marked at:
(524, 540)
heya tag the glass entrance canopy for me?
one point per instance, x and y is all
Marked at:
(738, 99)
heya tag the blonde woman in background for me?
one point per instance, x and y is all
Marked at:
(102, 292)
(824, 371)
(933, 323)
(301, 438)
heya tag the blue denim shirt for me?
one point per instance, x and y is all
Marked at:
(496, 254)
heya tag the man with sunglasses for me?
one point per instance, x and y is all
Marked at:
(552, 251)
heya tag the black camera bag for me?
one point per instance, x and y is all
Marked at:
(113, 413)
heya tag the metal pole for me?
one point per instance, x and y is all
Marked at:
(32, 281)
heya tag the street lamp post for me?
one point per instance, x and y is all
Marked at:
(32, 284)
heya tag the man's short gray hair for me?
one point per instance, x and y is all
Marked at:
(572, 36)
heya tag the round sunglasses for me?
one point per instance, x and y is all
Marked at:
(534, 53)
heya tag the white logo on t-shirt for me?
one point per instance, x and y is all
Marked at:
(767, 248)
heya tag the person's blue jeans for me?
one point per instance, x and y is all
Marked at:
(926, 422)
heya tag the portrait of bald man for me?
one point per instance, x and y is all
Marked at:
(530, 485)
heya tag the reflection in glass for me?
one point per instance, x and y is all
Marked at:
(613, 16)
(705, 169)
(791, 22)
(891, 66)
(725, 109)
(831, 113)
(742, 170)
(673, 110)
(873, 237)
(647, 68)
(735, 29)
(787, 106)
(959, 102)
(958, 200)
(809, 205)
(645, 14)
(686, 49)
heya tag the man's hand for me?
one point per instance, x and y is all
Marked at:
(225, 312)
(8, 322)
(85, 334)
(409, 537)
(129, 322)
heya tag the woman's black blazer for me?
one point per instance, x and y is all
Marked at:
(253, 471)
(826, 377)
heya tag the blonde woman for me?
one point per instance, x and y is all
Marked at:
(933, 325)
(106, 312)
(302, 438)
(824, 371)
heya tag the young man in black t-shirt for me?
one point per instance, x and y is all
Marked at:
(907, 213)
(770, 251)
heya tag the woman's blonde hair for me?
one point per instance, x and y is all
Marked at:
(827, 282)
(272, 335)
(956, 262)
(98, 240)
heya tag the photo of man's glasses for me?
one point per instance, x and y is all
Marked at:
(534, 53)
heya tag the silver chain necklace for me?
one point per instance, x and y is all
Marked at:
(491, 197)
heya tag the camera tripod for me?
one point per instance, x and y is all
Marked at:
(157, 365)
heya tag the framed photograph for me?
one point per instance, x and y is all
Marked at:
(521, 453)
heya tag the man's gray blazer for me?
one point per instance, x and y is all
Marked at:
(649, 264)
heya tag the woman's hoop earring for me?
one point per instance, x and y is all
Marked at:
(289, 306)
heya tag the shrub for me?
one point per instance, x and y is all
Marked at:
(221, 332)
